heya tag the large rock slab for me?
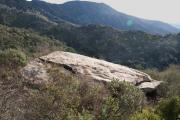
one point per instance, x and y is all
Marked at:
(89, 68)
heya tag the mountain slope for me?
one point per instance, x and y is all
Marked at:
(176, 25)
(83, 13)
(60, 86)
(132, 48)
(19, 18)
(28, 41)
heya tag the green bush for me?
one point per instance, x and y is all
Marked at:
(130, 97)
(60, 100)
(169, 109)
(124, 99)
(145, 114)
(110, 110)
(171, 80)
(68, 98)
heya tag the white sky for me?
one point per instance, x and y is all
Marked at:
(163, 10)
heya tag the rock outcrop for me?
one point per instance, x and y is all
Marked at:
(88, 68)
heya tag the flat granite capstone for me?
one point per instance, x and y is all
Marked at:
(90, 68)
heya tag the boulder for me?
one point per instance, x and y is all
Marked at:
(88, 68)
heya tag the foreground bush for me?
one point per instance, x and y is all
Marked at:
(145, 114)
(60, 100)
(57, 101)
(130, 97)
(68, 98)
(169, 109)
(124, 99)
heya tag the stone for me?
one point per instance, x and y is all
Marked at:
(88, 68)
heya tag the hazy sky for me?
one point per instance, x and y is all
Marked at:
(163, 10)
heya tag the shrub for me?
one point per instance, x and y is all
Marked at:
(124, 99)
(57, 101)
(92, 97)
(110, 110)
(169, 109)
(130, 97)
(145, 114)
(171, 78)
(61, 100)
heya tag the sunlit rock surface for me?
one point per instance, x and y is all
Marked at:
(88, 68)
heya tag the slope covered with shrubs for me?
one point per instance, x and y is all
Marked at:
(68, 97)
(133, 48)
(142, 50)
(26, 34)
(28, 41)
